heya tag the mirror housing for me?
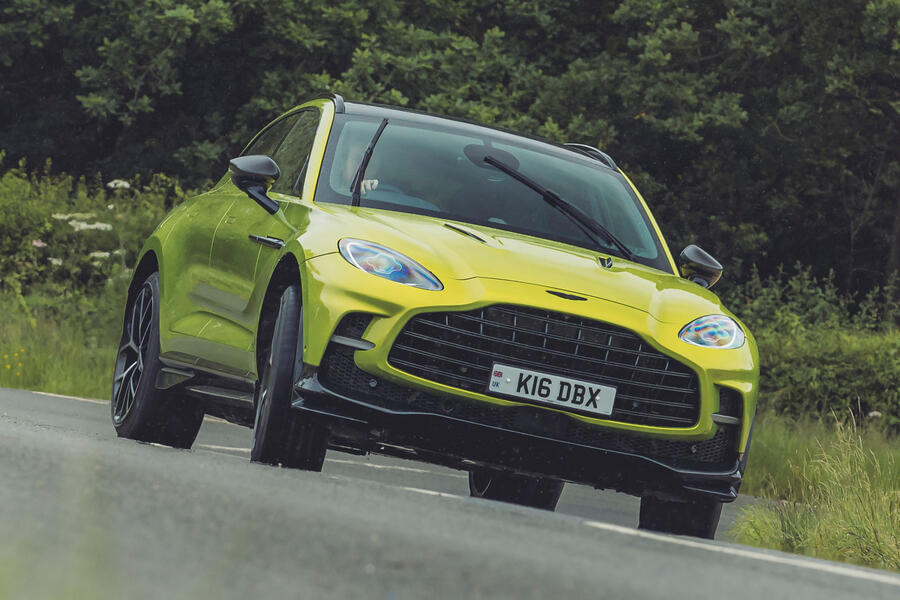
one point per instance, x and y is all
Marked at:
(698, 266)
(254, 175)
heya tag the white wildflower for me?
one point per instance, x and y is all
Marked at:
(66, 217)
(99, 254)
(81, 226)
(118, 184)
(110, 206)
(55, 261)
(875, 414)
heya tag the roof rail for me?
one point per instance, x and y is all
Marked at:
(594, 153)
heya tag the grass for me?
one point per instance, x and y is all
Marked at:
(837, 491)
(61, 345)
(785, 449)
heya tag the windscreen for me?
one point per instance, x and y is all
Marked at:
(438, 170)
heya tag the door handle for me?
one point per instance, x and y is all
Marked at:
(271, 242)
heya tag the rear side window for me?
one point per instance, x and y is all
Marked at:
(268, 141)
(292, 155)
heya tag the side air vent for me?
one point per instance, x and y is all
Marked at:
(350, 330)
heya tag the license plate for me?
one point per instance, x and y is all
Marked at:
(554, 390)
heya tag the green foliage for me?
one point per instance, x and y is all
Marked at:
(766, 131)
(73, 234)
(837, 491)
(69, 347)
(784, 448)
(822, 350)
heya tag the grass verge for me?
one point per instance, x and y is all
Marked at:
(61, 345)
(835, 492)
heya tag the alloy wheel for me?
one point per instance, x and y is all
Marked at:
(130, 359)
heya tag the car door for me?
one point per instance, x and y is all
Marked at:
(192, 297)
(247, 243)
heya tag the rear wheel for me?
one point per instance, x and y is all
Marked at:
(694, 517)
(280, 435)
(517, 489)
(139, 410)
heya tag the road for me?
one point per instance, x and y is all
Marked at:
(86, 515)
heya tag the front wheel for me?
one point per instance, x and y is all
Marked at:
(516, 489)
(280, 436)
(138, 409)
(697, 517)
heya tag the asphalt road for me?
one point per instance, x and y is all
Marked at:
(86, 515)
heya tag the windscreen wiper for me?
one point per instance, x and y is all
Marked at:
(361, 171)
(589, 226)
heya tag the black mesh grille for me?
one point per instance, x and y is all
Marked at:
(339, 372)
(353, 325)
(730, 402)
(459, 348)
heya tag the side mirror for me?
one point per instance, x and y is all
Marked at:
(698, 266)
(254, 175)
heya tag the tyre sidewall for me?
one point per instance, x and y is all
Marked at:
(273, 423)
(142, 419)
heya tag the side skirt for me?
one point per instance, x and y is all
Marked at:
(219, 391)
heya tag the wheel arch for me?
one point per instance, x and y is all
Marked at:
(285, 274)
(149, 263)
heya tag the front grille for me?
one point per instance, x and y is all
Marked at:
(458, 349)
(339, 373)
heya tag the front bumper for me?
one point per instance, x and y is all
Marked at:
(448, 425)
(456, 433)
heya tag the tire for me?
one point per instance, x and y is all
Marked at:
(694, 517)
(280, 436)
(138, 409)
(515, 489)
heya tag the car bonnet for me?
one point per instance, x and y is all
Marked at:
(451, 249)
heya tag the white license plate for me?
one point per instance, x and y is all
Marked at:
(554, 390)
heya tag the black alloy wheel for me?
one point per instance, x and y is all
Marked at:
(280, 435)
(517, 489)
(138, 409)
(697, 517)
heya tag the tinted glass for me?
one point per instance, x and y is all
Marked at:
(292, 155)
(439, 170)
(268, 141)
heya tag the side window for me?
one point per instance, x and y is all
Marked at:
(268, 141)
(293, 154)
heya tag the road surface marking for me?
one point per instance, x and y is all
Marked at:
(217, 420)
(391, 467)
(429, 492)
(228, 448)
(90, 400)
(834, 569)
(106, 402)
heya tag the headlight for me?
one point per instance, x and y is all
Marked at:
(713, 331)
(387, 263)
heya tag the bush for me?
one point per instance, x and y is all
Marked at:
(821, 350)
(62, 233)
(833, 370)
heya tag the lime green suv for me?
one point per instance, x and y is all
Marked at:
(372, 279)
